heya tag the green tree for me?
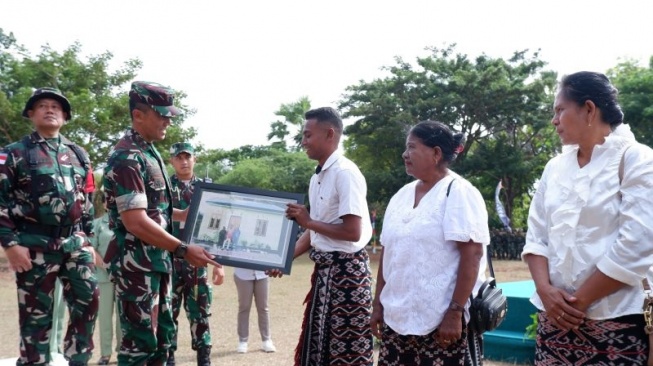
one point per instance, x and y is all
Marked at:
(278, 171)
(635, 85)
(98, 96)
(497, 104)
(293, 119)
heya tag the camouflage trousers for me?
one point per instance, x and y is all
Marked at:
(190, 286)
(35, 289)
(145, 317)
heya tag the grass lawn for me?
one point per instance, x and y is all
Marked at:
(286, 309)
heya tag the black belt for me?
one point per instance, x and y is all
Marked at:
(51, 231)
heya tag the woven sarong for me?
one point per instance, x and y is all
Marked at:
(336, 328)
(404, 350)
(474, 354)
(618, 341)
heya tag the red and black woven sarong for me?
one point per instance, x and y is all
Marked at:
(618, 341)
(336, 328)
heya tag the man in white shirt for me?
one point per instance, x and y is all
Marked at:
(338, 228)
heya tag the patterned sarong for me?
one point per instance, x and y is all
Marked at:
(403, 350)
(618, 341)
(474, 354)
(336, 328)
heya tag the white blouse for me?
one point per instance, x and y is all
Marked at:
(420, 258)
(582, 219)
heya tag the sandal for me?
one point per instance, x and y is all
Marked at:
(104, 360)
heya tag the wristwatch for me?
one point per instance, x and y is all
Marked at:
(454, 306)
(180, 251)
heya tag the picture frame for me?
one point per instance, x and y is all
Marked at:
(243, 227)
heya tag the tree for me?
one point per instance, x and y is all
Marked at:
(278, 170)
(635, 85)
(495, 103)
(98, 97)
(293, 114)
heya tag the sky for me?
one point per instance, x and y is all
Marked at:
(238, 61)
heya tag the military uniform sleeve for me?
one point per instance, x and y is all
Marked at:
(8, 235)
(128, 184)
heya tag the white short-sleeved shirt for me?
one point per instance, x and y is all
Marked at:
(580, 221)
(420, 258)
(247, 274)
(338, 190)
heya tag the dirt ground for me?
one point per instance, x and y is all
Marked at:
(286, 309)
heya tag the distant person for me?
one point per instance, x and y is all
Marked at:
(140, 214)
(190, 284)
(336, 327)
(434, 233)
(100, 242)
(235, 236)
(252, 284)
(588, 245)
(222, 236)
(45, 222)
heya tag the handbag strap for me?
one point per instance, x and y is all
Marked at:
(489, 254)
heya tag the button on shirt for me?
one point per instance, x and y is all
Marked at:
(582, 219)
(339, 189)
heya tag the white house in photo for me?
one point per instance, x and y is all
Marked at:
(260, 223)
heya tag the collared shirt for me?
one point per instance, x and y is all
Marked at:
(136, 178)
(420, 257)
(583, 219)
(338, 190)
(249, 274)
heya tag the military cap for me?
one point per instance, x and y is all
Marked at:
(181, 147)
(46, 92)
(157, 96)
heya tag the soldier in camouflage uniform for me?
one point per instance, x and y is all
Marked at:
(45, 221)
(190, 284)
(140, 215)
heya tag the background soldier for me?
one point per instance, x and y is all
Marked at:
(141, 214)
(45, 218)
(190, 284)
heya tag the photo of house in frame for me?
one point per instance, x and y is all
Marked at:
(243, 227)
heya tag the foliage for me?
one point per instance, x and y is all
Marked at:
(531, 329)
(293, 114)
(635, 85)
(501, 106)
(278, 170)
(97, 95)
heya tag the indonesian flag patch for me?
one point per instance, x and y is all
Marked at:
(3, 158)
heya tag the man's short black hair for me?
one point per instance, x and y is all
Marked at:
(326, 115)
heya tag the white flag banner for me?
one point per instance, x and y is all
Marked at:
(501, 211)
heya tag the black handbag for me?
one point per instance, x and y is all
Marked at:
(490, 306)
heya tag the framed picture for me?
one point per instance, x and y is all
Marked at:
(243, 227)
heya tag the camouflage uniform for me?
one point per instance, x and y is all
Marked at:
(190, 284)
(43, 203)
(136, 178)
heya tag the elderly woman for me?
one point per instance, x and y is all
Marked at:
(434, 232)
(589, 244)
